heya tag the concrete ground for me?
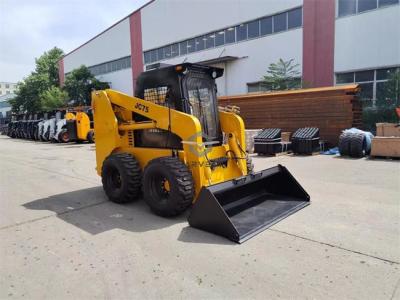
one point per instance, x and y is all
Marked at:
(61, 239)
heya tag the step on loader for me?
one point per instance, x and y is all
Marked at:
(171, 145)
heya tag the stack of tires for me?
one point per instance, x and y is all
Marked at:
(353, 144)
(305, 140)
(268, 141)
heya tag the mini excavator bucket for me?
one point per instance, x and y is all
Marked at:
(243, 207)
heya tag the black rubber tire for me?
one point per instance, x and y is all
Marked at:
(121, 177)
(63, 136)
(249, 165)
(90, 136)
(357, 145)
(181, 187)
(344, 144)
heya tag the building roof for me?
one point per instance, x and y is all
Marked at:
(7, 97)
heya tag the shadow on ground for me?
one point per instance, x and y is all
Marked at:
(89, 210)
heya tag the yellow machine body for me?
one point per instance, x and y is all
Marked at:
(114, 128)
(202, 161)
(82, 125)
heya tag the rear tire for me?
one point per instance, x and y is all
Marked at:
(168, 186)
(121, 178)
(90, 136)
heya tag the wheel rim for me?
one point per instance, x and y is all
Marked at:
(114, 180)
(160, 188)
(65, 137)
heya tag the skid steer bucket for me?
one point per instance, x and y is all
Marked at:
(241, 208)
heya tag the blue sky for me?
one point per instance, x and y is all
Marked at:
(30, 27)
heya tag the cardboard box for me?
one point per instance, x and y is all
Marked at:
(387, 129)
(385, 146)
(286, 136)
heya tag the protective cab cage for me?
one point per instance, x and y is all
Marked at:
(187, 87)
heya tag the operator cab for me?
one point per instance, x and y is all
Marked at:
(189, 88)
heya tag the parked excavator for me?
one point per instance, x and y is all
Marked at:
(173, 146)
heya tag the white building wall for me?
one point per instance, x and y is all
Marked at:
(254, 57)
(113, 44)
(368, 40)
(177, 20)
(119, 80)
(168, 21)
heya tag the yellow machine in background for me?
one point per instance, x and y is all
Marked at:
(172, 143)
(79, 127)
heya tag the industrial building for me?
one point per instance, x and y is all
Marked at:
(7, 88)
(333, 41)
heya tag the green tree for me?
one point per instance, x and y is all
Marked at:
(53, 98)
(30, 90)
(80, 83)
(47, 63)
(28, 93)
(282, 75)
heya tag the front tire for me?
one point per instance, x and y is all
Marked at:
(121, 178)
(168, 186)
(63, 136)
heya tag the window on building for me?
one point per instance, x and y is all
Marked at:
(367, 91)
(230, 35)
(183, 48)
(387, 2)
(200, 42)
(210, 41)
(253, 29)
(7, 86)
(345, 78)
(1, 92)
(364, 76)
(350, 7)
(373, 83)
(266, 26)
(384, 74)
(191, 45)
(146, 57)
(364, 5)
(167, 52)
(295, 18)
(241, 32)
(153, 54)
(347, 7)
(255, 87)
(174, 50)
(219, 38)
(280, 22)
(160, 54)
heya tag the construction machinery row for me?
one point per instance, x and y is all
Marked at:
(63, 126)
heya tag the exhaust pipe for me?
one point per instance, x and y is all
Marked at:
(243, 207)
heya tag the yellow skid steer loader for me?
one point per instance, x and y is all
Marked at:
(171, 143)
